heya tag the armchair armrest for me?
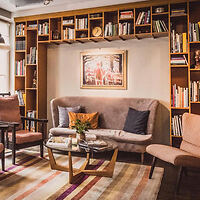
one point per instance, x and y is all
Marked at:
(10, 124)
(34, 119)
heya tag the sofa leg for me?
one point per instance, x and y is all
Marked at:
(152, 167)
(180, 173)
(142, 158)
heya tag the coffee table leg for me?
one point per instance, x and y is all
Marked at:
(108, 171)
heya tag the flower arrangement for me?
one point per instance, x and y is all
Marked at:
(81, 127)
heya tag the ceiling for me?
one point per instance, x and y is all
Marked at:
(21, 6)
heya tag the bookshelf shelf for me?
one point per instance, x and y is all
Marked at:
(127, 37)
(182, 15)
(194, 69)
(198, 102)
(95, 18)
(143, 35)
(31, 88)
(158, 14)
(160, 34)
(20, 51)
(43, 35)
(19, 76)
(142, 25)
(181, 53)
(180, 108)
(20, 36)
(179, 66)
(176, 136)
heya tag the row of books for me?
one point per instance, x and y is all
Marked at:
(178, 42)
(68, 21)
(82, 23)
(68, 33)
(110, 29)
(126, 14)
(43, 29)
(21, 97)
(20, 29)
(194, 31)
(178, 11)
(180, 96)
(31, 57)
(177, 128)
(20, 45)
(195, 91)
(32, 114)
(180, 60)
(20, 67)
(143, 18)
(125, 28)
(159, 26)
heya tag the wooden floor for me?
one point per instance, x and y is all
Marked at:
(190, 185)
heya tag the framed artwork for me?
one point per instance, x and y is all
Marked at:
(103, 69)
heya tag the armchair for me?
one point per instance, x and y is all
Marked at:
(19, 136)
(189, 153)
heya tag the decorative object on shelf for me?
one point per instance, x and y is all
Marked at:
(47, 2)
(159, 10)
(34, 79)
(83, 35)
(97, 31)
(103, 69)
(81, 128)
(197, 59)
(55, 35)
(2, 39)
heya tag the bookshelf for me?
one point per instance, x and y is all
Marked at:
(30, 67)
(178, 20)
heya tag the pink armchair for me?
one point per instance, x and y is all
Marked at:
(189, 153)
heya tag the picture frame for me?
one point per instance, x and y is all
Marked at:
(104, 69)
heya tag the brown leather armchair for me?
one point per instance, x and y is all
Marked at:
(189, 153)
(19, 134)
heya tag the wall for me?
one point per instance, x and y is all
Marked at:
(148, 75)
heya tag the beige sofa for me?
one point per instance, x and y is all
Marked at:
(112, 115)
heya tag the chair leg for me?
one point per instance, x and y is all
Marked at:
(13, 155)
(41, 150)
(152, 167)
(3, 161)
(180, 173)
(142, 158)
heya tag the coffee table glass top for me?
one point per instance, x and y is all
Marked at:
(66, 145)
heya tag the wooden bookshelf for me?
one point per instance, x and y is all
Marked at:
(53, 28)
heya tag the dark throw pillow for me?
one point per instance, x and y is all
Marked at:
(136, 121)
(63, 115)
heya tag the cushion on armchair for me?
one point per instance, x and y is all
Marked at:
(24, 136)
(9, 110)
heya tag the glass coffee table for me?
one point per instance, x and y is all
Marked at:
(74, 173)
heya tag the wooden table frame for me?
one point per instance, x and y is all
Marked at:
(74, 173)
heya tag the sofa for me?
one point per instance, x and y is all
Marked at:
(112, 116)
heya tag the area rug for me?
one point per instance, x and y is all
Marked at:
(31, 178)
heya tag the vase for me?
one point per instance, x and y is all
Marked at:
(80, 137)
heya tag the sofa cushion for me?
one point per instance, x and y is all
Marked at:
(24, 136)
(117, 135)
(63, 115)
(92, 118)
(136, 121)
(9, 110)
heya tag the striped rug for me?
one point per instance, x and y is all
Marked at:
(33, 179)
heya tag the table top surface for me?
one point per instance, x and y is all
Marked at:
(85, 147)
